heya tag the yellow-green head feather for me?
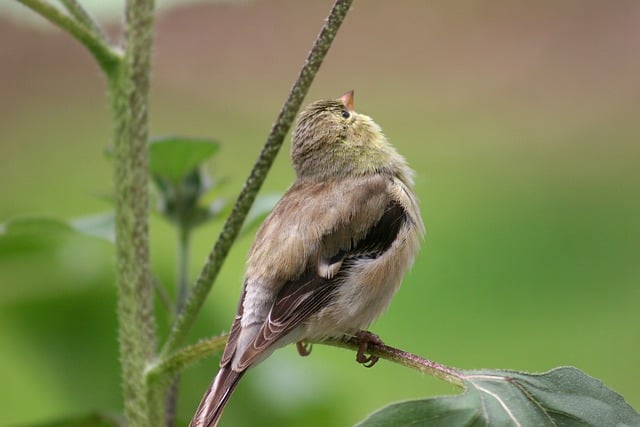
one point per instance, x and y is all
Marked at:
(331, 140)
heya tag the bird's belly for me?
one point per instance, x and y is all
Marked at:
(363, 295)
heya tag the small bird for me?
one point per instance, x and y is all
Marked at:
(328, 259)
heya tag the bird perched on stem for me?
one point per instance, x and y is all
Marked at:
(328, 259)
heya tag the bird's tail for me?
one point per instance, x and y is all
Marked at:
(216, 397)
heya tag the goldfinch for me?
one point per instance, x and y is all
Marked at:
(328, 259)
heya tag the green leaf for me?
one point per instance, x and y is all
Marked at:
(99, 225)
(172, 158)
(561, 397)
(89, 420)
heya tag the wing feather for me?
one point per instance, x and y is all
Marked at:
(234, 333)
(296, 301)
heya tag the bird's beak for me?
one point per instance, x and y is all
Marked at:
(347, 100)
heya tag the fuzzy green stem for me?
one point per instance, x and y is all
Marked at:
(178, 361)
(234, 222)
(129, 91)
(107, 58)
(82, 16)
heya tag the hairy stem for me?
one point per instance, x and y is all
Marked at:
(191, 354)
(257, 176)
(129, 91)
(106, 57)
(178, 361)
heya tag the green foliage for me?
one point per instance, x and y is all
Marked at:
(174, 158)
(561, 397)
(176, 167)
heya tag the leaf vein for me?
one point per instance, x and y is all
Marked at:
(501, 402)
(531, 398)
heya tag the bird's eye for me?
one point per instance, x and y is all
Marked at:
(346, 114)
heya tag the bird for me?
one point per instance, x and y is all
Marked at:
(328, 259)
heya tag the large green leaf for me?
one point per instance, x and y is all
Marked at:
(173, 158)
(561, 397)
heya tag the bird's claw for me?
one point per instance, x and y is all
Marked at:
(366, 361)
(304, 348)
(365, 338)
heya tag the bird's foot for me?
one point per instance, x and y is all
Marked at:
(365, 338)
(304, 348)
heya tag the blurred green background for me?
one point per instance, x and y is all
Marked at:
(520, 119)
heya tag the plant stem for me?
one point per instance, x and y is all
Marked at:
(82, 16)
(403, 358)
(128, 81)
(179, 360)
(182, 279)
(257, 176)
(129, 91)
(171, 402)
(184, 237)
(183, 358)
(106, 57)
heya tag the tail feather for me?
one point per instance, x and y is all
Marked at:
(216, 397)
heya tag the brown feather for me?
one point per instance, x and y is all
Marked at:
(234, 333)
(295, 302)
(216, 398)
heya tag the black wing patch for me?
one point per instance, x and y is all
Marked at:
(379, 238)
(382, 235)
(299, 299)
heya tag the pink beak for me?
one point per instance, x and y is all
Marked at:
(347, 100)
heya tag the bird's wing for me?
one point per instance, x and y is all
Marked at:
(234, 333)
(354, 220)
(296, 301)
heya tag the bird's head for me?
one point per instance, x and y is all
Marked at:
(332, 140)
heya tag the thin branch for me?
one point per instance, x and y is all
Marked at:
(163, 296)
(403, 358)
(185, 357)
(183, 248)
(82, 16)
(184, 234)
(181, 359)
(107, 58)
(258, 174)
